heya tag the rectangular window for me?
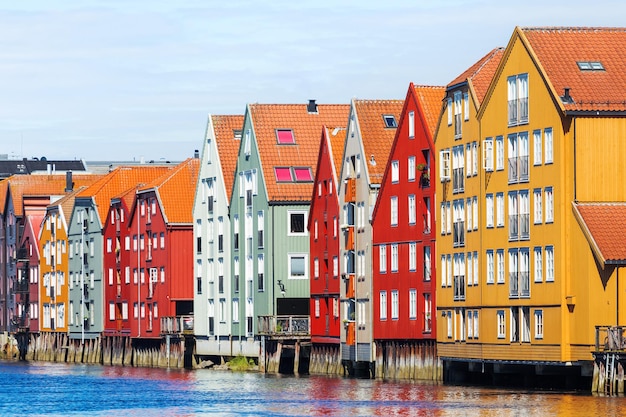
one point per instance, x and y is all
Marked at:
(538, 264)
(500, 265)
(501, 324)
(449, 109)
(499, 153)
(383, 305)
(500, 209)
(394, 305)
(470, 212)
(297, 266)
(317, 307)
(519, 273)
(466, 108)
(412, 256)
(411, 168)
(490, 267)
(459, 276)
(427, 216)
(470, 269)
(335, 266)
(449, 323)
(428, 308)
(448, 218)
(549, 201)
(382, 258)
(443, 272)
(303, 174)
(316, 268)
(474, 158)
(476, 267)
(458, 110)
(444, 165)
(283, 174)
(489, 210)
(549, 146)
(395, 171)
(443, 218)
(549, 263)
(412, 304)
(260, 227)
(394, 257)
(411, 124)
(297, 223)
(538, 324)
(537, 147)
(518, 99)
(488, 154)
(458, 169)
(427, 263)
(468, 160)
(285, 137)
(537, 206)
(449, 270)
(261, 271)
(459, 223)
(394, 210)
(412, 209)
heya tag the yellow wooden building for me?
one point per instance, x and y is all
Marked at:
(551, 132)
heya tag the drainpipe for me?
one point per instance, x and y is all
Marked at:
(575, 199)
(138, 272)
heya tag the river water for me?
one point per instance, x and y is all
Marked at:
(52, 389)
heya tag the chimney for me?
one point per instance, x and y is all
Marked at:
(567, 99)
(69, 184)
(311, 107)
(196, 154)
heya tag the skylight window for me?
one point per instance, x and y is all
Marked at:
(283, 174)
(285, 137)
(390, 120)
(303, 174)
(590, 66)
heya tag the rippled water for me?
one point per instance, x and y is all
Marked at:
(50, 389)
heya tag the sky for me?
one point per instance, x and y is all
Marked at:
(124, 80)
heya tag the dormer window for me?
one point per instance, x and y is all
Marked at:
(390, 120)
(285, 137)
(590, 66)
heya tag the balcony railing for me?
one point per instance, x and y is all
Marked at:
(610, 338)
(284, 325)
(178, 324)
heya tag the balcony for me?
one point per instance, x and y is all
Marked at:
(177, 325)
(350, 332)
(284, 326)
(350, 190)
(610, 338)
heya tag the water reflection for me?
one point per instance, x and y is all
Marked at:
(62, 389)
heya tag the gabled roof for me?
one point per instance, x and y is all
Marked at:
(558, 51)
(429, 100)
(175, 191)
(306, 127)
(227, 146)
(65, 205)
(376, 137)
(480, 74)
(603, 224)
(120, 179)
(39, 186)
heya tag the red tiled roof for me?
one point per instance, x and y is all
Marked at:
(175, 191)
(558, 49)
(306, 127)
(40, 185)
(227, 146)
(481, 73)
(115, 182)
(430, 98)
(603, 225)
(377, 138)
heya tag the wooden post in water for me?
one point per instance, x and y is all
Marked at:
(296, 358)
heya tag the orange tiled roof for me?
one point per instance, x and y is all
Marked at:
(559, 49)
(227, 146)
(175, 191)
(430, 98)
(337, 140)
(306, 127)
(603, 225)
(67, 203)
(377, 138)
(120, 179)
(481, 73)
(40, 185)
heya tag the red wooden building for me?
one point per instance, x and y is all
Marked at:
(324, 241)
(161, 258)
(27, 289)
(403, 226)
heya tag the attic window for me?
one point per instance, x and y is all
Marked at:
(237, 134)
(285, 137)
(390, 120)
(303, 174)
(590, 66)
(283, 174)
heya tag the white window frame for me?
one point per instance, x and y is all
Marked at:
(411, 168)
(394, 257)
(537, 264)
(499, 153)
(538, 314)
(383, 305)
(291, 256)
(395, 310)
(548, 145)
(395, 172)
(549, 265)
(411, 124)
(489, 210)
(412, 209)
(412, 256)
(289, 214)
(537, 148)
(490, 267)
(382, 258)
(393, 209)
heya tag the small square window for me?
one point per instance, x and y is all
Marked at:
(285, 137)
(297, 223)
(283, 174)
(303, 174)
(390, 120)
